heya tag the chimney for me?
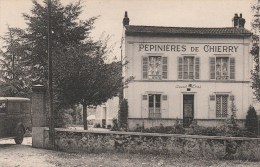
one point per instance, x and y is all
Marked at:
(126, 19)
(235, 20)
(242, 21)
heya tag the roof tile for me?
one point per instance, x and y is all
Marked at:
(156, 30)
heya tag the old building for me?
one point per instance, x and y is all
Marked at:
(106, 112)
(187, 73)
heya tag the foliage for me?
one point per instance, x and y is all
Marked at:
(230, 126)
(123, 114)
(251, 123)
(14, 70)
(115, 126)
(80, 73)
(255, 50)
(97, 125)
(177, 128)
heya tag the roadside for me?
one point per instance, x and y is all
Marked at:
(25, 156)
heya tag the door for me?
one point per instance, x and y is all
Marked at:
(188, 110)
(13, 118)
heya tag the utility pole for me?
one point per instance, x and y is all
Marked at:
(50, 80)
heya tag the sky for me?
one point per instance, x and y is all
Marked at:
(173, 13)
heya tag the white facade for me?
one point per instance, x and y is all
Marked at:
(186, 77)
(106, 112)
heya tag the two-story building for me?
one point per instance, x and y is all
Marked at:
(187, 73)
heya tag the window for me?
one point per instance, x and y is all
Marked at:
(221, 106)
(155, 67)
(222, 68)
(154, 106)
(188, 67)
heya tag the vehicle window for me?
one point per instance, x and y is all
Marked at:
(25, 107)
(14, 107)
(2, 107)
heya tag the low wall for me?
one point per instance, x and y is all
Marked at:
(155, 143)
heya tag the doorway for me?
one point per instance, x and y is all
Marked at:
(188, 110)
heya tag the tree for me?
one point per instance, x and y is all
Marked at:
(255, 50)
(83, 77)
(251, 120)
(80, 74)
(66, 27)
(14, 72)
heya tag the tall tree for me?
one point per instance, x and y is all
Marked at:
(80, 74)
(84, 78)
(14, 72)
(28, 48)
(66, 29)
(255, 50)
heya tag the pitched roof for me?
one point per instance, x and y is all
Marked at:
(189, 31)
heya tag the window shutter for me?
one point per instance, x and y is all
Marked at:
(164, 102)
(144, 107)
(164, 68)
(180, 62)
(232, 68)
(197, 68)
(212, 63)
(145, 67)
(231, 99)
(212, 106)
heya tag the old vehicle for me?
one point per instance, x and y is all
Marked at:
(15, 118)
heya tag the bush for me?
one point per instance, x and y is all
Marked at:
(115, 126)
(207, 131)
(123, 114)
(251, 120)
(175, 129)
(97, 125)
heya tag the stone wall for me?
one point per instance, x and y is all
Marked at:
(154, 143)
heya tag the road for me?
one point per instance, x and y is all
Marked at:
(24, 155)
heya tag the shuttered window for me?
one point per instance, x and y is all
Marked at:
(232, 68)
(145, 67)
(222, 68)
(155, 67)
(164, 68)
(179, 67)
(197, 68)
(154, 105)
(221, 106)
(188, 67)
(212, 67)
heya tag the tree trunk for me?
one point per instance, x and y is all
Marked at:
(85, 121)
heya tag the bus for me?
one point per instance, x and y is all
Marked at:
(15, 118)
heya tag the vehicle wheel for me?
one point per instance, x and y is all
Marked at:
(19, 135)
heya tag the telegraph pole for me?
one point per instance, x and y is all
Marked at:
(50, 80)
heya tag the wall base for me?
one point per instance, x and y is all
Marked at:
(40, 137)
(148, 122)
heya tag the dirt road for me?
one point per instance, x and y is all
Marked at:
(24, 155)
